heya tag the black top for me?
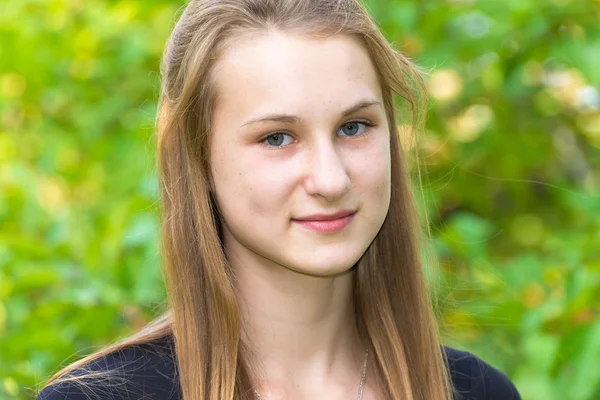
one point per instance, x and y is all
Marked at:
(148, 372)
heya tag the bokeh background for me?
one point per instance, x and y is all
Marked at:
(510, 162)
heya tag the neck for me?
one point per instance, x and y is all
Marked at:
(300, 329)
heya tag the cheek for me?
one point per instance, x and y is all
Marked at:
(372, 172)
(248, 187)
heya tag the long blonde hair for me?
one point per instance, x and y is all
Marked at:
(393, 311)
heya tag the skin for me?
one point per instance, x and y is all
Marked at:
(294, 285)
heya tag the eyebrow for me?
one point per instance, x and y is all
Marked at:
(290, 119)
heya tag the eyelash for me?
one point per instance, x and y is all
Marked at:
(366, 123)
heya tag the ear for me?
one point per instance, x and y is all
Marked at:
(211, 184)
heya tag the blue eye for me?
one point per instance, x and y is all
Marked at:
(354, 128)
(277, 139)
(282, 139)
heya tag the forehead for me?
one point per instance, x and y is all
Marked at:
(278, 69)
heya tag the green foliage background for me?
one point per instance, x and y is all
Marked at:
(510, 161)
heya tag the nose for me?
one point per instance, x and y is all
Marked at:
(327, 176)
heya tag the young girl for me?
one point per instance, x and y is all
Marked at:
(290, 234)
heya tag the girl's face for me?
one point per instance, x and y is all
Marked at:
(299, 133)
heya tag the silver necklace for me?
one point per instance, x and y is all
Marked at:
(361, 387)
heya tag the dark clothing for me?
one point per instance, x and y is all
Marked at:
(148, 371)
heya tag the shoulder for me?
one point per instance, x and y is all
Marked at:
(474, 379)
(143, 371)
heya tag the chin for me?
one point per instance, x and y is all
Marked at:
(327, 265)
(324, 272)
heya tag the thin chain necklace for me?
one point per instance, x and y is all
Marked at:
(361, 387)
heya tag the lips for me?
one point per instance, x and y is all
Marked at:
(326, 217)
(327, 223)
